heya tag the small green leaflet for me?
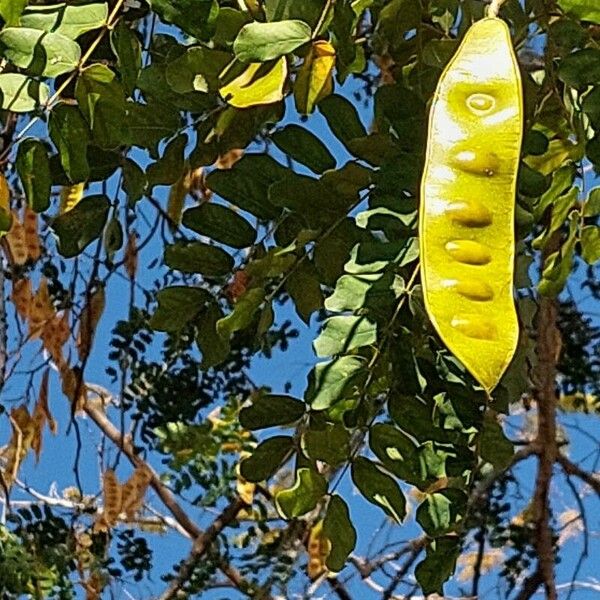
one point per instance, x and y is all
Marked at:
(21, 93)
(67, 20)
(259, 42)
(303, 496)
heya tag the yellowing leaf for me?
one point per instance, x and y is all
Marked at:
(4, 194)
(558, 153)
(315, 79)
(177, 194)
(259, 83)
(70, 195)
(318, 548)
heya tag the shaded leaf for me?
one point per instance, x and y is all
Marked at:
(304, 496)
(34, 170)
(65, 19)
(266, 458)
(196, 257)
(329, 381)
(178, 306)
(339, 530)
(304, 147)
(271, 410)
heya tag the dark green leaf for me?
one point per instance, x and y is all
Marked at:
(304, 147)
(128, 50)
(303, 497)
(438, 565)
(441, 512)
(266, 458)
(339, 530)
(196, 17)
(221, 224)
(308, 11)
(196, 257)
(197, 70)
(101, 99)
(134, 181)
(71, 136)
(342, 118)
(271, 411)
(581, 68)
(330, 444)
(169, 167)
(494, 447)
(81, 225)
(259, 42)
(213, 347)
(304, 289)
(378, 488)
(34, 171)
(178, 306)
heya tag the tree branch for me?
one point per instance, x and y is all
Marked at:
(203, 540)
(570, 468)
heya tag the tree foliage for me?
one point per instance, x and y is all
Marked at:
(189, 185)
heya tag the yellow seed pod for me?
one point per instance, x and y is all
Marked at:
(468, 193)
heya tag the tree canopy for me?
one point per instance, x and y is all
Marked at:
(192, 192)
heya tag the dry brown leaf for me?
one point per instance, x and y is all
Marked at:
(112, 492)
(17, 242)
(90, 316)
(32, 238)
(198, 184)
(22, 297)
(177, 194)
(55, 335)
(130, 260)
(227, 160)
(23, 431)
(134, 491)
(73, 387)
(41, 310)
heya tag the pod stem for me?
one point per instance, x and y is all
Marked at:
(494, 7)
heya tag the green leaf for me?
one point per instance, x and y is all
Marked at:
(581, 68)
(373, 257)
(196, 257)
(128, 50)
(246, 184)
(330, 444)
(271, 410)
(304, 147)
(303, 497)
(243, 313)
(34, 170)
(148, 124)
(213, 347)
(65, 19)
(439, 564)
(590, 244)
(71, 136)
(259, 42)
(308, 11)
(134, 181)
(266, 458)
(559, 264)
(591, 208)
(196, 17)
(344, 333)
(304, 289)
(197, 70)
(441, 512)
(378, 488)
(10, 10)
(494, 447)
(113, 237)
(342, 118)
(178, 306)
(81, 225)
(169, 167)
(221, 224)
(41, 53)
(329, 381)
(397, 452)
(21, 94)
(101, 99)
(586, 10)
(339, 530)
